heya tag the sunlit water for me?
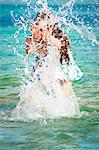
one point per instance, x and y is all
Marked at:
(64, 133)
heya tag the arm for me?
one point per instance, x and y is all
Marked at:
(28, 45)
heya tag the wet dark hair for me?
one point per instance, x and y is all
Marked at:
(58, 33)
(41, 16)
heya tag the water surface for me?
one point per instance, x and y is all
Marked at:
(64, 133)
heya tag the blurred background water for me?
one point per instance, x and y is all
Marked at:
(60, 134)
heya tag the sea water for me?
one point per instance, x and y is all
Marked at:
(63, 133)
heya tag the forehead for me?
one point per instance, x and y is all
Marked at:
(42, 23)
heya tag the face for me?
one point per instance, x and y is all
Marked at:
(39, 29)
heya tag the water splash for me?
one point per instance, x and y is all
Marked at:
(68, 21)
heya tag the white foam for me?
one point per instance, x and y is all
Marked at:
(45, 98)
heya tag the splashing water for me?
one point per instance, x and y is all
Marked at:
(35, 101)
(45, 99)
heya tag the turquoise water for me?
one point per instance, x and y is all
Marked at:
(59, 134)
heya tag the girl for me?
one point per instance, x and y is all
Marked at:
(52, 95)
(44, 33)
